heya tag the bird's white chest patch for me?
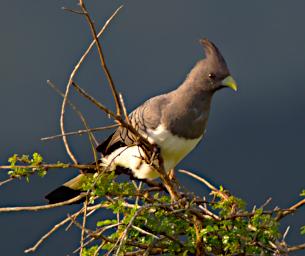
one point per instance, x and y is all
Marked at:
(173, 150)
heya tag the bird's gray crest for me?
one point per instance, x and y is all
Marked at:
(214, 57)
(211, 51)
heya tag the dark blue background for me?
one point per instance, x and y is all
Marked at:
(254, 144)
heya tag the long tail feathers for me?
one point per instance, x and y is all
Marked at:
(67, 191)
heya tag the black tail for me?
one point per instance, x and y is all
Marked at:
(63, 193)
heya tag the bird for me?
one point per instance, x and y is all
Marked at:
(175, 121)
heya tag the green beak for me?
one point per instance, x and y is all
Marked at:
(229, 82)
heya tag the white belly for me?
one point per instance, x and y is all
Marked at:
(173, 150)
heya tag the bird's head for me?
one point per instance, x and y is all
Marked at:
(212, 72)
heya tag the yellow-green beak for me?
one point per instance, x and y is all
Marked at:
(229, 82)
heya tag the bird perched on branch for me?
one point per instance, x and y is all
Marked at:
(175, 122)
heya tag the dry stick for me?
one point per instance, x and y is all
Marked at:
(41, 207)
(99, 248)
(6, 181)
(124, 108)
(145, 232)
(44, 237)
(83, 226)
(49, 166)
(266, 203)
(97, 103)
(80, 115)
(73, 11)
(57, 226)
(102, 58)
(63, 106)
(92, 139)
(80, 132)
(95, 234)
(94, 209)
(290, 210)
(209, 185)
(296, 248)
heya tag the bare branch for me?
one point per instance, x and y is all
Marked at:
(83, 226)
(290, 210)
(102, 58)
(47, 235)
(62, 126)
(124, 109)
(50, 166)
(5, 181)
(296, 248)
(80, 132)
(92, 139)
(41, 207)
(57, 226)
(209, 185)
(73, 11)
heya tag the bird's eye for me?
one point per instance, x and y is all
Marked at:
(212, 76)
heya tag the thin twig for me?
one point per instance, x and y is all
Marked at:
(96, 103)
(144, 232)
(6, 181)
(102, 58)
(209, 185)
(296, 248)
(46, 236)
(99, 248)
(117, 118)
(41, 207)
(285, 233)
(80, 115)
(83, 226)
(73, 73)
(57, 226)
(266, 203)
(80, 132)
(49, 166)
(124, 108)
(290, 210)
(73, 11)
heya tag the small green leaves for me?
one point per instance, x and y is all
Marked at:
(146, 218)
(105, 223)
(37, 159)
(90, 251)
(25, 166)
(13, 159)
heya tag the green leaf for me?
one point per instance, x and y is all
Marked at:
(105, 223)
(303, 230)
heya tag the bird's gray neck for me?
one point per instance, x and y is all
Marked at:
(192, 90)
(188, 112)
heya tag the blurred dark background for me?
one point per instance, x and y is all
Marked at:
(254, 144)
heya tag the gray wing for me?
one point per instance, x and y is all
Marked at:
(146, 116)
